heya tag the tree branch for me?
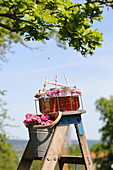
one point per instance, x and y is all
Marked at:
(101, 2)
(5, 26)
(9, 28)
(73, 6)
(15, 17)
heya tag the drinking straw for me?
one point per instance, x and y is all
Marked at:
(54, 83)
(66, 80)
(45, 84)
(56, 80)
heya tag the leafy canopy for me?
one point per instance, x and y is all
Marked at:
(40, 20)
(105, 107)
(8, 158)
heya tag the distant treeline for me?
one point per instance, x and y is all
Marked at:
(21, 144)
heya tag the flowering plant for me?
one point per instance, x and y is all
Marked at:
(32, 119)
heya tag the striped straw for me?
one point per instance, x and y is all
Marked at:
(56, 80)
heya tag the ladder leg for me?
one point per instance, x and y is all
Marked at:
(55, 148)
(25, 164)
(84, 146)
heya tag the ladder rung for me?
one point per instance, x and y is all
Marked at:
(72, 159)
(28, 157)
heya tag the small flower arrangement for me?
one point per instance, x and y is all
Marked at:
(32, 119)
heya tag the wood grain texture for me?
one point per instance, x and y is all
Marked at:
(73, 112)
(26, 160)
(84, 149)
(55, 148)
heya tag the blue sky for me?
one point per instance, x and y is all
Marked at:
(26, 70)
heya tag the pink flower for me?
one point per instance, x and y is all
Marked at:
(45, 123)
(24, 121)
(50, 121)
(29, 115)
(32, 119)
(38, 119)
(29, 119)
(45, 116)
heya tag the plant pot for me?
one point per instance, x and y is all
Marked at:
(40, 140)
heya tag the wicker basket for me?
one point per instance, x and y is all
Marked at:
(60, 103)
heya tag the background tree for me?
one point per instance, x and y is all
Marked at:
(71, 23)
(6, 42)
(105, 107)
(75, 150)
(8, 158)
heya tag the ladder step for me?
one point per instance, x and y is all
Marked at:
(72, 159)
(29, 157)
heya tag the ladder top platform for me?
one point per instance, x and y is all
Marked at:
(73, 112)
(77, 112)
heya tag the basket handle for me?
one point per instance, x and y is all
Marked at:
(52, 124)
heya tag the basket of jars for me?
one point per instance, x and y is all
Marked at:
(61, 98)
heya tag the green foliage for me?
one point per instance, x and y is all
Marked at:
(75, 150)
(3, 112)
(6, 40)
(105, 107)
(42, 19)
(99, 148)
(101, 163)
(8, 158)
(38, 164)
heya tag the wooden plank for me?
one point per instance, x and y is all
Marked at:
(26, 160)
(84, 149)
(70, 112)
(55, 148)
(73, 112)
(72, 159)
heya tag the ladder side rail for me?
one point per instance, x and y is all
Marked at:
(84, 147)
(55, 147)
(26, 160)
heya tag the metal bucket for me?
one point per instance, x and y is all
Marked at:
(40, 140)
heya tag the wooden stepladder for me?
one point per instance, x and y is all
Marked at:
(56, 150)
